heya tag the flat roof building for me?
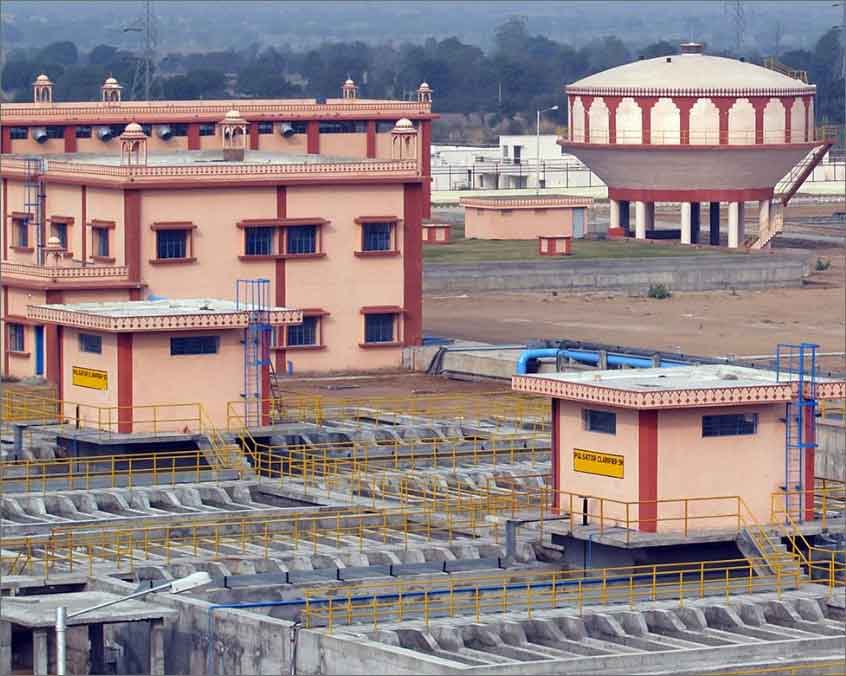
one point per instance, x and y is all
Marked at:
(339, 238)
(666, 449)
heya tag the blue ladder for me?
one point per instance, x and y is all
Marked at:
(798, 364)
(253, 296)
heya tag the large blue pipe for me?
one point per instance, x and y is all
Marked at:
(527, 363)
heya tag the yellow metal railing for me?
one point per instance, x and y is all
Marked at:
(375, 603)
(828, 495)
(495, 409)
(111, 471)
(74, 548)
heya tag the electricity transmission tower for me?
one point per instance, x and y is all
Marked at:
(736, 13)
(142, 79)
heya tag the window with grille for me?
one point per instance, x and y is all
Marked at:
(194, 345)
(172, 243)
(599, 421)
(376, 237)
(302, 239)
(83, 131)
(101, 242)
(206, 130)
(88, 342)
(259, 241)
(729, 425)
(54, 131)
(305, 333)
(298, 127)
(16, 337)
(21, 227)
(60, 230)
(265, 127)
(379, 328)
(17, 133)
(179, 129)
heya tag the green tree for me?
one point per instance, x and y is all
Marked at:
(63, 52)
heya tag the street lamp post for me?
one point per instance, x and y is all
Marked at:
(183, 584)
(537, 145)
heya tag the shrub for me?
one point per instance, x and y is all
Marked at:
(658, 291)
(822, 264)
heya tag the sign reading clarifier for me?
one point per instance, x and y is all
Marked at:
(91, 378)
(594, 462)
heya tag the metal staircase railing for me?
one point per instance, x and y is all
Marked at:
(790, 184)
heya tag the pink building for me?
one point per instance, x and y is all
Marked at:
(525, 217)
(338, 238)
(667, 449)
(694, 129)
(112, 356)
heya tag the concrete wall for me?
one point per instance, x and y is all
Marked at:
(510, 223)
(690, 273)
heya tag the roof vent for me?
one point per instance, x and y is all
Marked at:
(669, 59)
(742, 59)
(691, 47)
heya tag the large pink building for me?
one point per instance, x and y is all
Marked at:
(339, 238)
(694, 129)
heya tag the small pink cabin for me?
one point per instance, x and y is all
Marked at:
(525, 217)
(132, 365)
(670, 449)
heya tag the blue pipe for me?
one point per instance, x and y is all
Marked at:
(527, 363)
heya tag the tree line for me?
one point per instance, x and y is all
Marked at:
(521, 73)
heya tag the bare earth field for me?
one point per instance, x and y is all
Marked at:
(708, 323)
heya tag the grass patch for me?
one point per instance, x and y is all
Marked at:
(461, 250)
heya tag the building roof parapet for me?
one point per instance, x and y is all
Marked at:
(538, 202)
(218, 171)
(91, 271)
(735, 92)
(678, 387)
(211, 111)
(141, 316)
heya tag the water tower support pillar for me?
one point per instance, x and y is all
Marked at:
(735, 219)
(640, 220)
(650, 215)
(764, 207)
(614, 217)
(714, 224)
(695, 223)
(685, 223)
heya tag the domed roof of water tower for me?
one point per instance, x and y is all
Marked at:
(690, 72)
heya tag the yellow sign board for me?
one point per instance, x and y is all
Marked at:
(594, 462)
(91, 378)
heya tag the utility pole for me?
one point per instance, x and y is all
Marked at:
(737, 13)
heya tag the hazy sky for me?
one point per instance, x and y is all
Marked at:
(200, 25)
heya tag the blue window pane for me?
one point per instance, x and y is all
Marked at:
(302, 239)
(376, 237)
(16, 337)
(60, 230)
(172, 243)
(101, 242)
(729, 425)
(194, 345)
(90, 343)
(379, 328)
(259, 242)
(303, 334)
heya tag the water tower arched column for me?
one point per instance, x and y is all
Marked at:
(646, 103)
(611, 102)
(684, 104)
(787, 101)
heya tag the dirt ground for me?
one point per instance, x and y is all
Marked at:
(713, 323)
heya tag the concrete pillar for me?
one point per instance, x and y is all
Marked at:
(5, 647)
(40, 659)
(685, 223)
(695, 222)
(97, 650)
(614, 217)
(764, 207)
(714, 224)
(741, 223)
(650, 215)
(734, 224)
(640, 220)
(157, 658)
